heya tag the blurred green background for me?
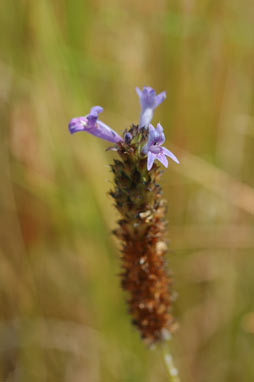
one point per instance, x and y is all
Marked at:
(62, 312)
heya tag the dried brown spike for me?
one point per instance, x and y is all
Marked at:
(141, 230)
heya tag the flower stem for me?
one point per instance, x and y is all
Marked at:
(169, 364)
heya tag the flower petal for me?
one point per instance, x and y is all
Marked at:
(77, 124)
(150, 159)
(148, 97)
(156, 136)
(139, 92)
(170, 154)
(145, 117)
(160, 98)
(145, 149)
(151, 136)
(103, 131)
(95, 110)
(160, 137)
(163, 159)
(93, 116)
(148, 101)
(159, 129)
(155, 149)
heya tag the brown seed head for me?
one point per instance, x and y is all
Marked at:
(141, 230)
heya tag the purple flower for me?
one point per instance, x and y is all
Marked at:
(148, 101)
(92, 125)
(153, 148)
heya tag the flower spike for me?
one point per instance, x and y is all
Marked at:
(141, 228)
(154, 150)
(148, 101)
(91, 124)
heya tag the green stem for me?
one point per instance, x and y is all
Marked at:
(169, 363)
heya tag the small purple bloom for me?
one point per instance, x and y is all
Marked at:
(127, 138)
(154, 150)
(148, 101)
(92, 125)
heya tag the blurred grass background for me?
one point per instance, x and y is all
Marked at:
(62, 312)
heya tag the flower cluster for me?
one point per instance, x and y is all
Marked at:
(152, 149)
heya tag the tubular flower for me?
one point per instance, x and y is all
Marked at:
(148, 101)
(154, 150)
(91, 124)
